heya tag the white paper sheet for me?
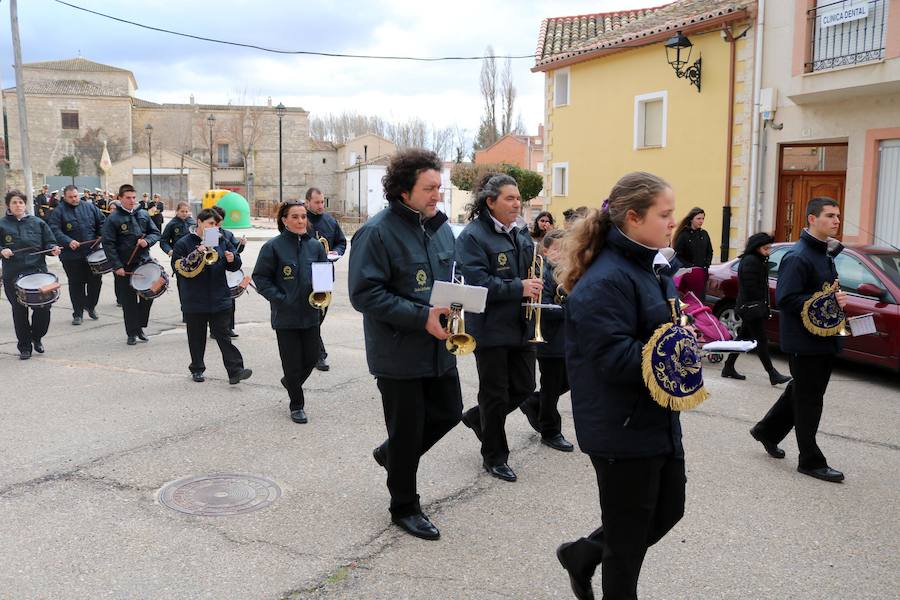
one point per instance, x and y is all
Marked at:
(211, 237)
(862, 325)
(323, 277)
(730, 346)
(472, 297)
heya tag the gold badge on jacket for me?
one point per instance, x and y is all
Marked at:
(421, 277)
(501, 259)
(288, 272)
(68, 227)
(177, 230)
(124, 226)
(8, 239)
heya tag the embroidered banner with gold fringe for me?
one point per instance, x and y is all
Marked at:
(821, 314)
(672, 369)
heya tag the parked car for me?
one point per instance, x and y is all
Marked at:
(869, 275)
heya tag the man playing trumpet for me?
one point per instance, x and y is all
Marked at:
(804, 270)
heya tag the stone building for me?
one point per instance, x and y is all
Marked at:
(76, 105)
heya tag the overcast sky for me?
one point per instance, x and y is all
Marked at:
(170, 68)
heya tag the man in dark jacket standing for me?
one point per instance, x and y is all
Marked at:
(803, 271)
(77, 225)
(128, 234)
(395, 259)
(323, 226)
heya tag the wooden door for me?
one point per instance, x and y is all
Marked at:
(795, 191)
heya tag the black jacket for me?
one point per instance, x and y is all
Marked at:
(610, 314)
(121, 231)
(283, 275)
(753, 280)
(395, 259)
(694, 248)
(499, 262)
(29, 232)
(81, 222)
(804, 269)
(326, 226)
(552, 320)
(208, 291)
(233, 240)
(175, 229)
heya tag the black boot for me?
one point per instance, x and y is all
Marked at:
(728, 369)
(776, 378)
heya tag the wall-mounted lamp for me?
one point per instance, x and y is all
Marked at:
(678, 54)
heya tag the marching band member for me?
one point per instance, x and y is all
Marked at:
(21, 235)
(618, 295)
(803, 271)
(540, 406)
(177, 228)
(206, 298)
(155, 210)
(283, 275)
(77, 225)
(240, 244)
(495, 254)
(323, 226)
(128, 234)
(394, 261)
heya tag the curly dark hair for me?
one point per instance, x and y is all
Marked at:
(536, 231)
(487, 187)
(404, 169)
(14, 194)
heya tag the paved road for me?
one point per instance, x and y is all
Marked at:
(91, 430)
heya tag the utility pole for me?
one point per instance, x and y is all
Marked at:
(20, 97)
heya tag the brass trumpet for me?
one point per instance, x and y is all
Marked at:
(320, 300)
(459, 342)
(534, 312)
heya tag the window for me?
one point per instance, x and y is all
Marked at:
(852, 273)
(539, 167)
(70, 119)
(561, 87)
(223, 154)
(560, 179)
(846, 33)
(775, 260)
(650, 120)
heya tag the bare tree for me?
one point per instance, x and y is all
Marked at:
(411, 133)
(245, 130)
(507, 98)
(488, 86)
(460, 144)
(442, 141)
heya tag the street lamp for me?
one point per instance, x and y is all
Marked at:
(149, 129)
(677, 45)
(211, 122)
(359, 162)
(280, 110)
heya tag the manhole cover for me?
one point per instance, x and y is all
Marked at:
(219, 495)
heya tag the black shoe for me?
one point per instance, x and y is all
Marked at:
(558, 442)
(378, 455)
(240, 376)
(581, 586)
(141, 336)
(24, 354)
(299, 416)
(730, 373)
(418, 525)
(92, 313)
(773, 449)
(118, 305)
(77, 320)
(531, 414)
(321, 365)
(501, 472)
(38, 346)
(823, 473)
(232, 333)
(776, 378)
(131, 340)
(475, 427)
(198, 377)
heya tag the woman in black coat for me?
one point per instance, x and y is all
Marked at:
(753, 305)
(694, 249)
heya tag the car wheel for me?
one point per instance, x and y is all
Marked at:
(727, 314)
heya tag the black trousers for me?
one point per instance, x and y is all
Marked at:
(417, 413)
(299, 351)
(554, 383)
(28, 330)
(196, 334)
(84, 286)
(800, 407)
(136, 309)
(322, 353)
(754, 329)
(640, 501)
(505, 380)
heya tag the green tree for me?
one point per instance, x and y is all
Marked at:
(466, 175)
(68, 167)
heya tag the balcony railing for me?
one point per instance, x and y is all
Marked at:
(846, 32)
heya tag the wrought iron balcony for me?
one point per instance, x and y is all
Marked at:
(846, 32)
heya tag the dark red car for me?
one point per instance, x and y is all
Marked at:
(869, 275)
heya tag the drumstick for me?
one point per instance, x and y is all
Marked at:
(41, 252)
(21, 249)
(136, 246)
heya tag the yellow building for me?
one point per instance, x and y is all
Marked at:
(615, 104)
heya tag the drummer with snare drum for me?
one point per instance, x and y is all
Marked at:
(127, 235)
(77, 223)
(25, 241)
(206, 296)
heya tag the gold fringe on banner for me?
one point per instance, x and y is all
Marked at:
(820, 310)
(654, 373)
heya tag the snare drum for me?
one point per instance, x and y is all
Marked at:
(37, 290)
(237, 282)
(150, 280)
(98, 262)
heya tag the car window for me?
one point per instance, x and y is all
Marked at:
(853, 273)
(775, 260)
(889, 265)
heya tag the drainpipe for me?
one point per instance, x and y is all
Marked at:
(754, 200)
(726, 206)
